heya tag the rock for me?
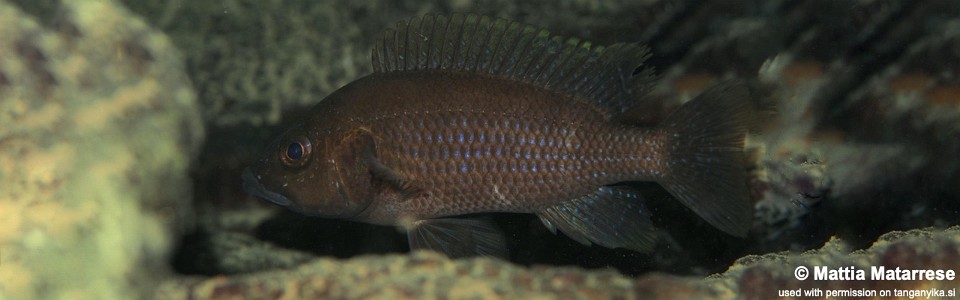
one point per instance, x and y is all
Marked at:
(760, 277)
(98, 127)
(862, 111)
(424, 275)
(429, 275)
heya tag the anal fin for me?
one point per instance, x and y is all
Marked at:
(613, 217)
(458, 237)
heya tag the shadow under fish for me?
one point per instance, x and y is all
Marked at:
(465, 114)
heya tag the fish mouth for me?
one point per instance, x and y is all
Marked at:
(252, 185)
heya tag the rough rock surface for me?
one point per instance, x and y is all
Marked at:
(429, 275)
(98, 125)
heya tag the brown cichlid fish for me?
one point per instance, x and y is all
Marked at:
(464, 115)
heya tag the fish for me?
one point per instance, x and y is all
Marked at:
(465, 115)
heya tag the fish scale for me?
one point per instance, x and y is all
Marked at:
(466, 115)
(588, 153)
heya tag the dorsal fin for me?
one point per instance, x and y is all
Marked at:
(611, 77)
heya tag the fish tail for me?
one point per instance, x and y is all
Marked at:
(704, 152)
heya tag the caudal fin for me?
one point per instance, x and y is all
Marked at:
(704, 148)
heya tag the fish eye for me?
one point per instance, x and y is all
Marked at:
(295, 152)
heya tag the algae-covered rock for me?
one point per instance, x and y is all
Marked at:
(98, 124)
(428, 275)
(761, 277)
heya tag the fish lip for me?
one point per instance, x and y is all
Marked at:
(252, 186)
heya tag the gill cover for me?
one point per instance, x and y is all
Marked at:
(344, 177)
(327, 176)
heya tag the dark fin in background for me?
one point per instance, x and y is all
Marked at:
(610, 77)
(458, 237)
(613, 217)
(704, 145)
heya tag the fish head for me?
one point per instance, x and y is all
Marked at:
(313, 172)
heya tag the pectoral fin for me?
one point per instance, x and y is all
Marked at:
(613, 217)
(458, 237)
(367, 147)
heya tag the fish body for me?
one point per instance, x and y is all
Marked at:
(470, 146)
(468, 115)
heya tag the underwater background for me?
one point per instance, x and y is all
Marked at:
(124, 126)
